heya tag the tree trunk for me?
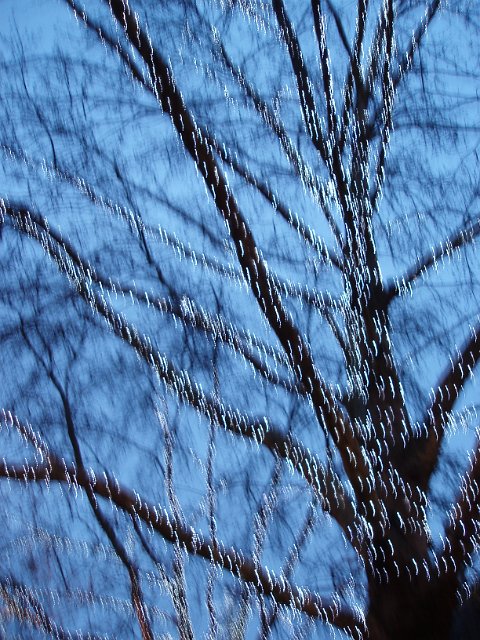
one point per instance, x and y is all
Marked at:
(405, 610)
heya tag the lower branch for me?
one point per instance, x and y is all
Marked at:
(447, 393)
(193, 542)
(21, 604)
(463, 532)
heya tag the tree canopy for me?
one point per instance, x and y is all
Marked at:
(240, 318)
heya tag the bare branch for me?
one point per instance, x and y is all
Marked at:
(308, 235)
(390, 82)
(340, 28)
(463, 532)
(306, 174)
(354, 74)
(304, 85)
(191, 315)
(193, 542)
(319, 24)
(292, 559)
(406, 59)
(421, 456)
(22, 604)
(136, 591)
(460, 238)
(329, 414)
(178, 583)
(388, 96)
(323, 481)
(113, 44)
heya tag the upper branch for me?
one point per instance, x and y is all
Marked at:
(307, 233)
(388, 96)
(304, 84)
(119, 548)
(272, 121)
(390, 82)
(354, 74)
(319, 24)
(404, 64)
(340, 28)
(406, 59)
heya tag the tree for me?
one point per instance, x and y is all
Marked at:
(240, 318)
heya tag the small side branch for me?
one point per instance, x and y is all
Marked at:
(463, 531)
(319, 24)
(21, 604)
(406, 59)
(460, 238)
(307, 234)
(447, 392)
(272, 121)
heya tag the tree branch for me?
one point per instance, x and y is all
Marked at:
(329, 414)
(308, 235)
(340, 28)
(325, 482)
(193, 542)
(190, 314)
(463, 532)
(136, 591)
(421, 456)
(304, 85)
(354, 74)
(272, 121)
(390, 83)
(319, 25)
(460, 238)
(293, 558)
(388, 98)
(22, 604)
(406, 59)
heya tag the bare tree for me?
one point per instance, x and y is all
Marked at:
(240, 318)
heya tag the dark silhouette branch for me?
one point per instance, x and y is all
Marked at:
(307, 234)
(193, 542)
(289, 566)
(390, 82)
(136, 591)
(21, 604)
(421, 455)
(304, 84)
(190, 314)
(319, 25)
(406, 59)
(354, 74)
(291, 152)
(324, 481)
(388, 98)
(340, 28)
(330, 153)
(170, 99)
(460, 238)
